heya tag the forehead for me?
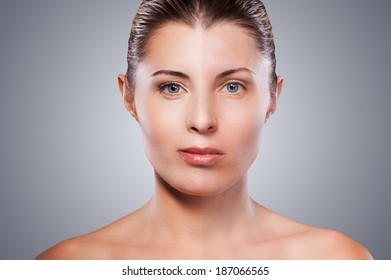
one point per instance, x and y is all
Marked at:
(222, 45)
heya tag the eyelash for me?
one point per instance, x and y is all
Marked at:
(162, 87)
(243, 87)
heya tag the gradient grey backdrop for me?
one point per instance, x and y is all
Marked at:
(71, 157)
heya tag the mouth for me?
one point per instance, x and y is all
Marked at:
(201, 156)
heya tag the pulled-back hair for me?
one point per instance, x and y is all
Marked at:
(153, 14)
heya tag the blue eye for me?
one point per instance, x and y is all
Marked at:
(233, 87)
(171, 88)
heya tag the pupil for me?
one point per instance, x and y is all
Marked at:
(232, 87)
(173, 88)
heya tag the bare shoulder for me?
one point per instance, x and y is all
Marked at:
(108, 242)
(318, 243)
(77, 248)
(299, 241)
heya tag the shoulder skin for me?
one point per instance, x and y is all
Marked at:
(324, 244)
(75, 249)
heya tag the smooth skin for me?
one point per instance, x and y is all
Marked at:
(204, 88)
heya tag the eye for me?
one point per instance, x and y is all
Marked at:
(171, 88)
(234, 87)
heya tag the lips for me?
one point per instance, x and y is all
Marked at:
(201, 156)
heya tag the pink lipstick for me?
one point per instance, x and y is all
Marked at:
(201, 156)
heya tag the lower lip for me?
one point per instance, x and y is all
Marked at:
(201, 159)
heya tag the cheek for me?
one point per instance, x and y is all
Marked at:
(242, 128)
(159, 125)
(245, 118)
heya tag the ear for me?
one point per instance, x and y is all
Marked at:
(127, 95)
(274, 97)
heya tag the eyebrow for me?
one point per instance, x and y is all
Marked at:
(233, 71)
(171, 73)
(185, 76)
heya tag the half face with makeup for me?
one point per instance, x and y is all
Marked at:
(201, 98)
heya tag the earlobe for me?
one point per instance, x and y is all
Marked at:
(127, 95)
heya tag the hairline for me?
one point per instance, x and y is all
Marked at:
(198, 23)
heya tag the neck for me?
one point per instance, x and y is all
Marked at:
(190, 219)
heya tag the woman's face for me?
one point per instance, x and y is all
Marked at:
(201, 99)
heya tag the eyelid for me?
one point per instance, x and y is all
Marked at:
(233, 81)
(242, 84)
(161, 87)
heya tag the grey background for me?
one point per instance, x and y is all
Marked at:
(71, 157)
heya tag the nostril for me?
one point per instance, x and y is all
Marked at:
(201, 117)
(204, 129)
(193, 128)
(212, 128)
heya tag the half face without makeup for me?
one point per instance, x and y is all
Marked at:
(201, 99)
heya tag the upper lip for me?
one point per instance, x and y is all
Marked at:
(202, 151)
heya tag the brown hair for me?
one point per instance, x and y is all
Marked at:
(152, 14)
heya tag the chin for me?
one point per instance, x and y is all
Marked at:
(198, 185)
(183, 178)
(204, 191)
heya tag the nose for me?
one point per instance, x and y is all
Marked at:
(201, 115)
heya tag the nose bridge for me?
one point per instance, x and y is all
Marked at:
(202, 115)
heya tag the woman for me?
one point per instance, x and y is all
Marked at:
(201, 83)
